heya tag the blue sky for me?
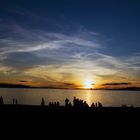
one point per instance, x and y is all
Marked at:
(63, 42)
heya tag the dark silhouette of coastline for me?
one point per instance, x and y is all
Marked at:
(5, 85)
(125, 88)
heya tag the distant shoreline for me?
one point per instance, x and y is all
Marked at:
(69, 88)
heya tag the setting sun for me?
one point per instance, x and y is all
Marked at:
(88, 83)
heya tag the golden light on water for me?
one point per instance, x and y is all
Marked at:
(89, 83)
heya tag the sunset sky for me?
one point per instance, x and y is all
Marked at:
(70, 43)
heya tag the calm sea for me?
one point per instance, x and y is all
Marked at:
(106, 97)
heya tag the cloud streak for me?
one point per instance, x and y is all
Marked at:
(28, 50)
(20, 39)
(116, 84)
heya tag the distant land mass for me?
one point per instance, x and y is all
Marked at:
(5, 85)
(125, 88)
(9, 85)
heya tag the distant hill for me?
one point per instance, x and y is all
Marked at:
(126, 88)
(5, 85)
(130, 88)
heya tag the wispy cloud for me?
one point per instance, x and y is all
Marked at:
(116, 84)
(20, 39)
(39, 45)
(28, 50)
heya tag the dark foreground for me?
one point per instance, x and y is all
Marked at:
(42, 119)
(65, 117)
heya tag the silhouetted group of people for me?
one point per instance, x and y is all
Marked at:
(15, 101)
(77, 103)
(97, 104)
(54, 104)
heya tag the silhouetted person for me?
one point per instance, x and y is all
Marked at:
(50, 104)
(99, 104)
(74, 101)
(92, 105)
(58, 104)
(66, 102)
(55, 104)
(96, 105)
(13, 101)
(16, 101)
(1, 100)
(85, 104)
(42, 102)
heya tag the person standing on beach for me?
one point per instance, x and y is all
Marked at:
(1, 100)
(13, 101)
(42, 102)
(66, 102)
(16, 101)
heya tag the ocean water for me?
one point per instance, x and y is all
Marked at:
(106, 97)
